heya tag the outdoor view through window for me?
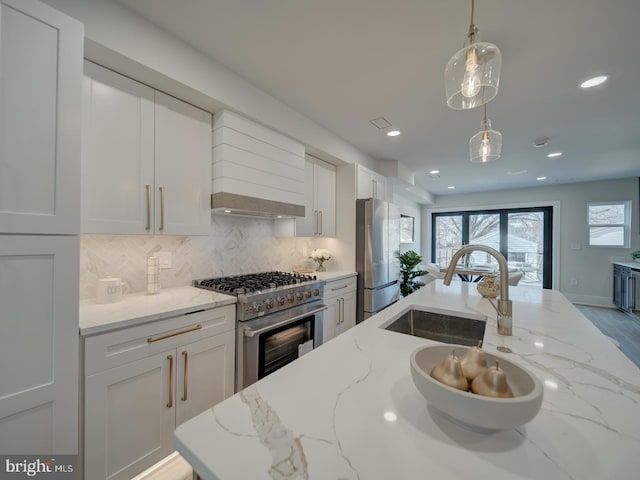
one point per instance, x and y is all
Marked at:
(518, 234)
(609, 224)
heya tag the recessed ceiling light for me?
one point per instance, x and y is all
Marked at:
(227, 211)
(434, 172)
(554, 155)
(541, 178)
(393, 133)
(451, 187)
(279, 216)
(595, 81)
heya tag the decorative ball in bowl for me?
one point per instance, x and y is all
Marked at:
(477, 412)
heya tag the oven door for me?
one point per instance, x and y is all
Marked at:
(268, 343)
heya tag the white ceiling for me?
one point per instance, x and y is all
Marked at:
(344, 62)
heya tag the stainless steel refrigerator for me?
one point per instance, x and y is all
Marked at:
(377, 244)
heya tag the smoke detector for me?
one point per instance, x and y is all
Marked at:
(541, 142)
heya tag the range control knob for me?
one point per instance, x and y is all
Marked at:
(269, 304)
(280, 300)
(290, 298)
(307, 294)
(316, 292)
(299, 296)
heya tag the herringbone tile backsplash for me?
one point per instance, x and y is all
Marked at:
(235, 245)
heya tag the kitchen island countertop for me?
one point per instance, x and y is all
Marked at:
(349, 409)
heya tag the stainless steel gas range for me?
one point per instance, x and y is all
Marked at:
(279, 318)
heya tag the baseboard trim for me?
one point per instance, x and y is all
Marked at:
(589, 300)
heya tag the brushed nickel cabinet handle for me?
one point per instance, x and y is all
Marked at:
(342, 310)
(163, 337)
(320, 222)
(161, 208)
(148, 187)
(185, 355)
(170, 403)
(315, 222)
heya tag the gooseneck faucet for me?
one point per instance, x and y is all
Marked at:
(504, 306)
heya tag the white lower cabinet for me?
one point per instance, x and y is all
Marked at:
(144, 381)
(340, 298)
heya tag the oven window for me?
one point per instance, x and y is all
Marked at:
(280, 346)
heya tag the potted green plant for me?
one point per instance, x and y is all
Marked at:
(408, 262)
(636, 255)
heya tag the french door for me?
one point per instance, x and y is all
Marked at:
(522, 235)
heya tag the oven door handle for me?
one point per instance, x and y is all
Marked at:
(248, 332)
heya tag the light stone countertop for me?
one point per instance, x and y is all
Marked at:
(138, 308)
(630, 264)
(349, 409)
(332, 276)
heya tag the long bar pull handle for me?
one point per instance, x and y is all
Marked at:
(339, 288)
(185, 381)
(169, 335)
(161, 208)
(342, 310)
(315, 222)
(320, 222)
(148, 227)
(338, 315)
(170, 403)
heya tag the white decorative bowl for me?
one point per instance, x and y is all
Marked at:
(477, 412)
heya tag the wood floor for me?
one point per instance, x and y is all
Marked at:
(617, 325)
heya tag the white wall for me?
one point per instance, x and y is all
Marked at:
(412, 209)
(591, 266)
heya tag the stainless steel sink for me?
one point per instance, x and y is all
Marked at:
(441, 326)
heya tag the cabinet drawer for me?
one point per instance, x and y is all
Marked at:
(340, 287)
(115, 348)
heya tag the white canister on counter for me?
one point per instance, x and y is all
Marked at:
(109, 290)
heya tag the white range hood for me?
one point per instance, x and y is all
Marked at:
(256, 171)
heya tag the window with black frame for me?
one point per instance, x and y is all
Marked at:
(522, 235)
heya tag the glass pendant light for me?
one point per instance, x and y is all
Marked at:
(472, 75)
(486, 145)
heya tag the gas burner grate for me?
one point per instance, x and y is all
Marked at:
(251, 283)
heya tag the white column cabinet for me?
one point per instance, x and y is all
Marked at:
(144, 381)
(39, 344)
(146, 162)
(40, 105)
(340, 298)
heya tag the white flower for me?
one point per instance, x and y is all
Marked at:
(320, 255)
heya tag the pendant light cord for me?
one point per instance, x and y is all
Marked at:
(472, 27)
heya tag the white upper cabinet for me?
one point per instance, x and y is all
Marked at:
(40, 103)
(146, 159)
(117, 153)
(371, 184)
(182, 168)
(320, 203)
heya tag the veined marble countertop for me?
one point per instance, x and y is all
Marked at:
(634, 265)
(349, 409)
(137, 308)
